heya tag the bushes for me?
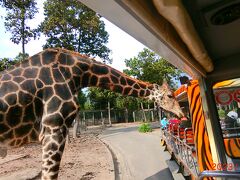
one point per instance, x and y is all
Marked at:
(145, 127)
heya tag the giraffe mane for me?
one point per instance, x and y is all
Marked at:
(85, 56)
(63, 50)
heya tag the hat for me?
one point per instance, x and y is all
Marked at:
(232, 115)
(184, 119)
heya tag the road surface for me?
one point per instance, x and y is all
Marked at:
(139, 155)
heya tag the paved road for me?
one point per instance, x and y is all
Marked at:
(139, 155)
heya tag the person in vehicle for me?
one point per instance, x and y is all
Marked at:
(185, 123)
(174, 123)
(174, 120)
(231, 121)
(164, 123)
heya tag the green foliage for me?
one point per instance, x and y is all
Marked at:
(88, 105)
(21, 57)
(221, 114)
(99, 98)
(72, 25)
(82, 99)
(5, 63)
(122, 102)
(145, 127)
(18, 13)
(148, 66)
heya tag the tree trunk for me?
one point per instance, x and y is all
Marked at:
(134, 116)
(93, 119)
(109, 114)
(23, 34)
(79, 41)
(102, 118)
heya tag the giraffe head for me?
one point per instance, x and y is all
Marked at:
(164, 98)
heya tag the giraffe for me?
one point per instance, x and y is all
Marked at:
(38, 102)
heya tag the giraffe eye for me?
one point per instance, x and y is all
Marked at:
(170, 95)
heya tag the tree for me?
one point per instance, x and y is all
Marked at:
(82, 99)
(72, 25)
(18, 13)
(5, 63)
(99, 98)
(148, 66)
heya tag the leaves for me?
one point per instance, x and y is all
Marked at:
(148, 66)
(72, 25)
(6, 63)
(18, 13)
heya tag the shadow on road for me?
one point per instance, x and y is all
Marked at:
(163, 174)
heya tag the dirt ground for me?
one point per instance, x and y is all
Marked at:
(84, 158)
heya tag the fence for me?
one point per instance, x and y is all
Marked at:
(98, 117)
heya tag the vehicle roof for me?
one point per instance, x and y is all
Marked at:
(200, 37)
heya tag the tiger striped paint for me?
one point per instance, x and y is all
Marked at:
(232, 147)
(204, 156)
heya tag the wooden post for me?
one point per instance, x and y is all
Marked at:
(126, 115)
(115, 116)
(76, 126)
(134, 117)
(144, 115)
(84, 119)
(102, 118)
(159, 114)
(109, 114)
(152, 115)
(93, 119)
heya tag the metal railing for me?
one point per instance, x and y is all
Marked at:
(183, 152)
(222, 174)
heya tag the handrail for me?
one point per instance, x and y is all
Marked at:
(228, 174)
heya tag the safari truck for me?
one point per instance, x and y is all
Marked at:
(189, 145)
(201, 38)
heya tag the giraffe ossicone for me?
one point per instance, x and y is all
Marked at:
(37, 99)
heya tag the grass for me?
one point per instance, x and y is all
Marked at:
(145, 127)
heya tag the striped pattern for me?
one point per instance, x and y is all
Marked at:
(232, 147)
(203, 150)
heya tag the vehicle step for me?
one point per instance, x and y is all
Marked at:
(174, 168)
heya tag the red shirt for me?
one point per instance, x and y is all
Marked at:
(174, 121)
(173, 124)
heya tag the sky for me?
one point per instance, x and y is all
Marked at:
(123, 46)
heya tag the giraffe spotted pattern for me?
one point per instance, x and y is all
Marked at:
(38, 99)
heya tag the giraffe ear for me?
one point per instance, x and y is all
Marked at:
(156, 86)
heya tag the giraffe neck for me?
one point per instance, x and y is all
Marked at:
(82, 71)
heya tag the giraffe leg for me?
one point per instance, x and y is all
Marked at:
(53, 143)
(53, 135)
